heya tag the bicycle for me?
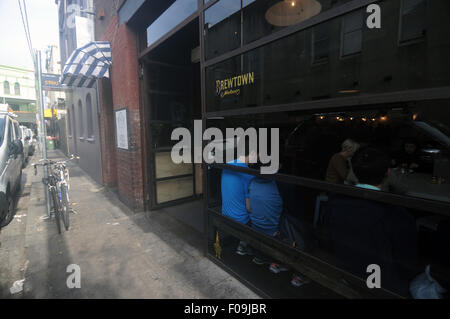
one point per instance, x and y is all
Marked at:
(58, 187)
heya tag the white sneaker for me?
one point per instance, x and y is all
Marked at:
(277, 268)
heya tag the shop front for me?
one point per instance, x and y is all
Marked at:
(321, 73)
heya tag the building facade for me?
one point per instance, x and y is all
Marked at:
(75, 30)
(318, 71)
(18, 89)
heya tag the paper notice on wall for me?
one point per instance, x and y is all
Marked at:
(84, 31)
(122, 129)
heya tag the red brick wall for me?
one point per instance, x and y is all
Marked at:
(125, 167)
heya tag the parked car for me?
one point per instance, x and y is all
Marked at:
(11, 161)
(26, 141)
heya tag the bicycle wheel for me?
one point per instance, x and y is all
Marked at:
(56, 209)
(65, 205)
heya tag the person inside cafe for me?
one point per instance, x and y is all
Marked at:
(339, 171)
(266, 207)
(365, 232)
(235, 195)
(408, 158)
(339, 167)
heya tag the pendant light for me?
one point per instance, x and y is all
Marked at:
(290, 12)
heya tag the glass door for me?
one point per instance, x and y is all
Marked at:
(171, 105)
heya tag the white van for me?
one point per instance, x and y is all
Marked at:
(11, 161)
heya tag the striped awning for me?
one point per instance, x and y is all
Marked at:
(87, 64)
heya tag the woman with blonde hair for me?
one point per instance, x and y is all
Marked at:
(339, 167)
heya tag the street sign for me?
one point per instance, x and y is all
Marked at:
(50, 82)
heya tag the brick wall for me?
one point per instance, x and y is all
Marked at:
(123, 168)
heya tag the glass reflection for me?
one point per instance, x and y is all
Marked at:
(222, 27)
(240, 22)
(174, 15)
(289, 12)
(221, 11)
(308, 65)
(404, 149)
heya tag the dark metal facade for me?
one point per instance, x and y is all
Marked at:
(320, 271)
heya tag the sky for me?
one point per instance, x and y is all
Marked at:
(43, 24)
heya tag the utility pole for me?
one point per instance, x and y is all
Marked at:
(42, 126)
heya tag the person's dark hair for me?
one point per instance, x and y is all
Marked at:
(370, 165)
(245, 139)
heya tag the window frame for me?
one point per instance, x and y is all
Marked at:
(3, 119)
(342, 44)
(81, 124)
(400, 28)
(74, 128)
(6, 88)
(17, 130)
(90, 119)
(320, 61)
(69, 122)
(17, 88)
(11, 131)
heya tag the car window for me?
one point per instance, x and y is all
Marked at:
(17, 130)
(2, 129)
(10, 132)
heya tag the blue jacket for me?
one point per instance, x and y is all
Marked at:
(266, 205)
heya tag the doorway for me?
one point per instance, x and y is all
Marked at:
(172, 99)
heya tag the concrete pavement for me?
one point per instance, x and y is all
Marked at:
(120, 254)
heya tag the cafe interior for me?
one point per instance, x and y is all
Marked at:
(309, 139)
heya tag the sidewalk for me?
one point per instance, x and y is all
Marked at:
(121, 254)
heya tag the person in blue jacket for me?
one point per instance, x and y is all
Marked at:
(266, 205)
(235, 196)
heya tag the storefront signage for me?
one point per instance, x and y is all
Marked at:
(232, 86)
(50, 82)
(49, 114)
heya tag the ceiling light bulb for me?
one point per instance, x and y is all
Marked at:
(290, 12)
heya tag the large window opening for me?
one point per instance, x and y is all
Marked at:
(328, 224)
(332, 86)
(173, 99)
(81, 119)
(17, 88)
(6, 89)
(90, 121)
(291, 69)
